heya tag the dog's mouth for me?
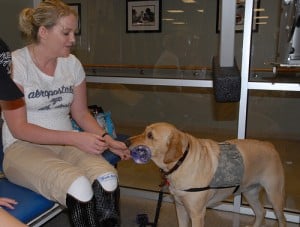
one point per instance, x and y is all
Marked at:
(140, 154)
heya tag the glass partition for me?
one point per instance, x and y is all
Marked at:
(273, 116)
(182, 52)
(192, 110)
(274, 98)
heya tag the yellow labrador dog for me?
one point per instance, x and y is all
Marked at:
(202, 172)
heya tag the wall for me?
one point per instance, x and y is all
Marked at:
(104, 41)
(9, 11)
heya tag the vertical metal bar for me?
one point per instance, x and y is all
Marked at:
(245, 68)
(227, 33)
(244, 81)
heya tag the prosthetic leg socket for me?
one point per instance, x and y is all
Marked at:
(82, 214)
(107, 205)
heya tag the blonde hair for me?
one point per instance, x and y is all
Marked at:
(46, 14)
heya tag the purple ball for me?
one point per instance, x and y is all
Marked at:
(141, 154)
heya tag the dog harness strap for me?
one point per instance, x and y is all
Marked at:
(197, 189)
(209, 187)
(180, 161)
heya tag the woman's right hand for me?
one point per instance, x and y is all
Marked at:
(90, 143)
(7, 202)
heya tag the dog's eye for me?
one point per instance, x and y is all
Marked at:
(149, 135)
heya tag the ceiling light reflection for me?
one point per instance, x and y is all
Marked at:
(175, 11)
(188, 1)
(178, 23)
(168, 19)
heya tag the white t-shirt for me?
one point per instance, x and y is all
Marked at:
(48, 98)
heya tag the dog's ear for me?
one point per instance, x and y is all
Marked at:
(174, 148)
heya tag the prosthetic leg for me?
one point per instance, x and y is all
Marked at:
(107, 205)
(82, 214)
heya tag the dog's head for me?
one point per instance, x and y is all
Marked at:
(165, 142)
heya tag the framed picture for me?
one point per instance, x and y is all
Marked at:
(240, 16)
(143, 16)
(77, 8)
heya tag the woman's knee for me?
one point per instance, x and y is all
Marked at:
(108, 181)
(81, 189)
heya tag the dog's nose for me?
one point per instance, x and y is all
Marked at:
(127, 143)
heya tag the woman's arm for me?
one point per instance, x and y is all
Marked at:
(16, 119)
(8, 220)
(88, 123)
(80, 112)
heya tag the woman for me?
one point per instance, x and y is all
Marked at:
(42, 152)
(9, 92)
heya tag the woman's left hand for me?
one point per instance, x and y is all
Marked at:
(117, 147)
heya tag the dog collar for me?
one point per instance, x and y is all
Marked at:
(180, 161)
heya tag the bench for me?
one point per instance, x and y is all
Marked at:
(32, 208)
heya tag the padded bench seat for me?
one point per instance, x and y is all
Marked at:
(32, 208)
(30, 204)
